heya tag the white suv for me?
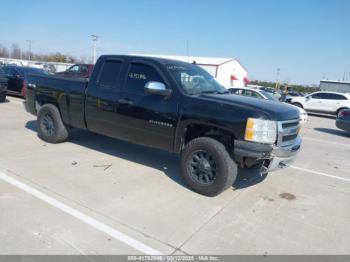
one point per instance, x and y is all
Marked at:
(323, 102)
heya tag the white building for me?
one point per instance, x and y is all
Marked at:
(335, 86)
(229, 72)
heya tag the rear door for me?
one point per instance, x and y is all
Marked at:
(102, 99)
(336, 101)
(147, 119)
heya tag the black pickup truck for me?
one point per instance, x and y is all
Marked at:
(173, 106)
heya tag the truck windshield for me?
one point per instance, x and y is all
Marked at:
(195, 80)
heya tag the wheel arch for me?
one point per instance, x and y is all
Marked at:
(194, 129)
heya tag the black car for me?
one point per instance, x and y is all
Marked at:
(3, 86)
(343, 120)
(17, 76)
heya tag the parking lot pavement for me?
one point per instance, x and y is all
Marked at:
(137, 194)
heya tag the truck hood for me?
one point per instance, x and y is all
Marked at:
(272, 110)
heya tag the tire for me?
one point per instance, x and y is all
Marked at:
(50, 125)
(2, 97)
(194, 169)
(298, 105)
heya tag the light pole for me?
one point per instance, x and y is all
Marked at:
(94, 42)
(277, 78)
(29, 42)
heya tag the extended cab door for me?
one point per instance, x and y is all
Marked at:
(147, 119)
(102, 98)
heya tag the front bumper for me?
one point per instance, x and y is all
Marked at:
(274, 157)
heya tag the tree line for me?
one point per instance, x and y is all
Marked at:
(17, 53)
(286, 86)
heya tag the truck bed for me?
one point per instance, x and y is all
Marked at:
(67, 93)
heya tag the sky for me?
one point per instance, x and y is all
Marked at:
(306, 39)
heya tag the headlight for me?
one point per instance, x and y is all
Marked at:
(261, 131)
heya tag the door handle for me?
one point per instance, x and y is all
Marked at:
(125, 101)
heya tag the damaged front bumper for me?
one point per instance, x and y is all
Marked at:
(271, 156)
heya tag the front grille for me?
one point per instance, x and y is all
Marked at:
(287, 132)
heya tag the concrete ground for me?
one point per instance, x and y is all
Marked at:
(96, 195)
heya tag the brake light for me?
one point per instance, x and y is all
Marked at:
(344, 113)
(24, 88)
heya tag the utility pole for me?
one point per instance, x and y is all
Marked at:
(187, 52)
(29, 42)
(277, 78)
(94, 43)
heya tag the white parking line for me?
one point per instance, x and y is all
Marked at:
(81, 216)
(321, 174)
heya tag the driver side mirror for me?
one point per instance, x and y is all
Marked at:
(157, 88)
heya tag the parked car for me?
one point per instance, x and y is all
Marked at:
(323, 102)
(287, 96)
(78, 71)
(272, 91)
(343, 120)
(17, 78)
(173, 106)
(258, 93)
(3, 85)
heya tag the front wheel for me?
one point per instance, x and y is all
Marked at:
(207, 166)
(298, 105)
(50, 125)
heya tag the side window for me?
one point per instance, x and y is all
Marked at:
(74, 69)
(138, 76)
(337, 97)
(251, 93)
(320, 96)
(84, 69)
(109, 74)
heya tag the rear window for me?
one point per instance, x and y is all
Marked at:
(109, 74)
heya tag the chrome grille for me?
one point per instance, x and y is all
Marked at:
(287, 132)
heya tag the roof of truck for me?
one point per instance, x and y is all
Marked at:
(153, 58)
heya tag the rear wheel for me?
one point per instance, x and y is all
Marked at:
(207, 167)
(50, 125)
